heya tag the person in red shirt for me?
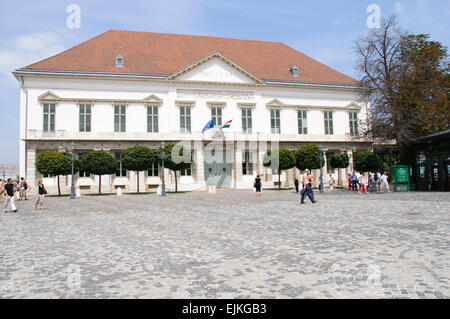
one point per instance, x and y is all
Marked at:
(349, 182)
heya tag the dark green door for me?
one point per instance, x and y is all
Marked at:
(218, 173)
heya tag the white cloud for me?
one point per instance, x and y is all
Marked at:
(27, 49)
(399, 7)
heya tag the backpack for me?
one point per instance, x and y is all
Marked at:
(354, 178)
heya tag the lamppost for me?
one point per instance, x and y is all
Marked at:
(163, 184)
(321, 172)
(72, 187)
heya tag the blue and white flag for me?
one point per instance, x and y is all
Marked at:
(208, 126)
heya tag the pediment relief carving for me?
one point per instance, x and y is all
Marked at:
(218, 69)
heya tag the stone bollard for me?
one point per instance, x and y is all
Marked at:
(211, 189)
(119, 191)
(78, 194)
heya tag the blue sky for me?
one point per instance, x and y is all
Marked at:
(323, 29)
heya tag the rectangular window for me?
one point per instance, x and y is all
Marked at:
(82, 173)
(120, 172)
(154, 171)
(185, 119)
(353, 120)
(247, 120)
(85, 117)
(247, 164)
(302, 122)
(152, 118)
(186, 172)
(120, 117)
(328, 118)
(275, 121)
(49, 117)
(216, 115)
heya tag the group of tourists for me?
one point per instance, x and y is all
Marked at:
(356, 181)
(11, 191)
(375, 181)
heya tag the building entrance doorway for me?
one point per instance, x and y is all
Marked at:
(218, 168)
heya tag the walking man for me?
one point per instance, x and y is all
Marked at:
(378, 181)
(354, 182)
(9, 196)
(307, 179)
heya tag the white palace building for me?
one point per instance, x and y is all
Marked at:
(125, 88)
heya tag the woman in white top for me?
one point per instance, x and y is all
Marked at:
(362, 184)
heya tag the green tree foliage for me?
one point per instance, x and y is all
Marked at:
(54, 163)
(424, 84)
(99, 163)
(367, 162)
(280, 159)
(176, 158)
(406, 79)
(339, 161)
(308, 157)
(138, 158)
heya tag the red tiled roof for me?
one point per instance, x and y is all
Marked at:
(165, 54)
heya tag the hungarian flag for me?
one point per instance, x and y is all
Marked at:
(226, 125)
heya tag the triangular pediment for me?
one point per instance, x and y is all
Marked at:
(153, 99)
(354, 106)
(217, 69)
(275, 103)
(49, 96)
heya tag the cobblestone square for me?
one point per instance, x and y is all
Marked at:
(228, 245)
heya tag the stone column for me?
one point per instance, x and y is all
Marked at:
(31, 170)
(132, 181)
(259, 163)
(237, 167)
(316, 174)
(343, 174)
(200, 166)
(350, 155)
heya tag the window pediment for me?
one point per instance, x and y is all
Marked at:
(275, 104)
(152, 99)
(354, 106)
(49, 97)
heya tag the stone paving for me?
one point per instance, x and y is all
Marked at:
(228, 245)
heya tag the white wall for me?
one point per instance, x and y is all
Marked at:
(103, 112)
